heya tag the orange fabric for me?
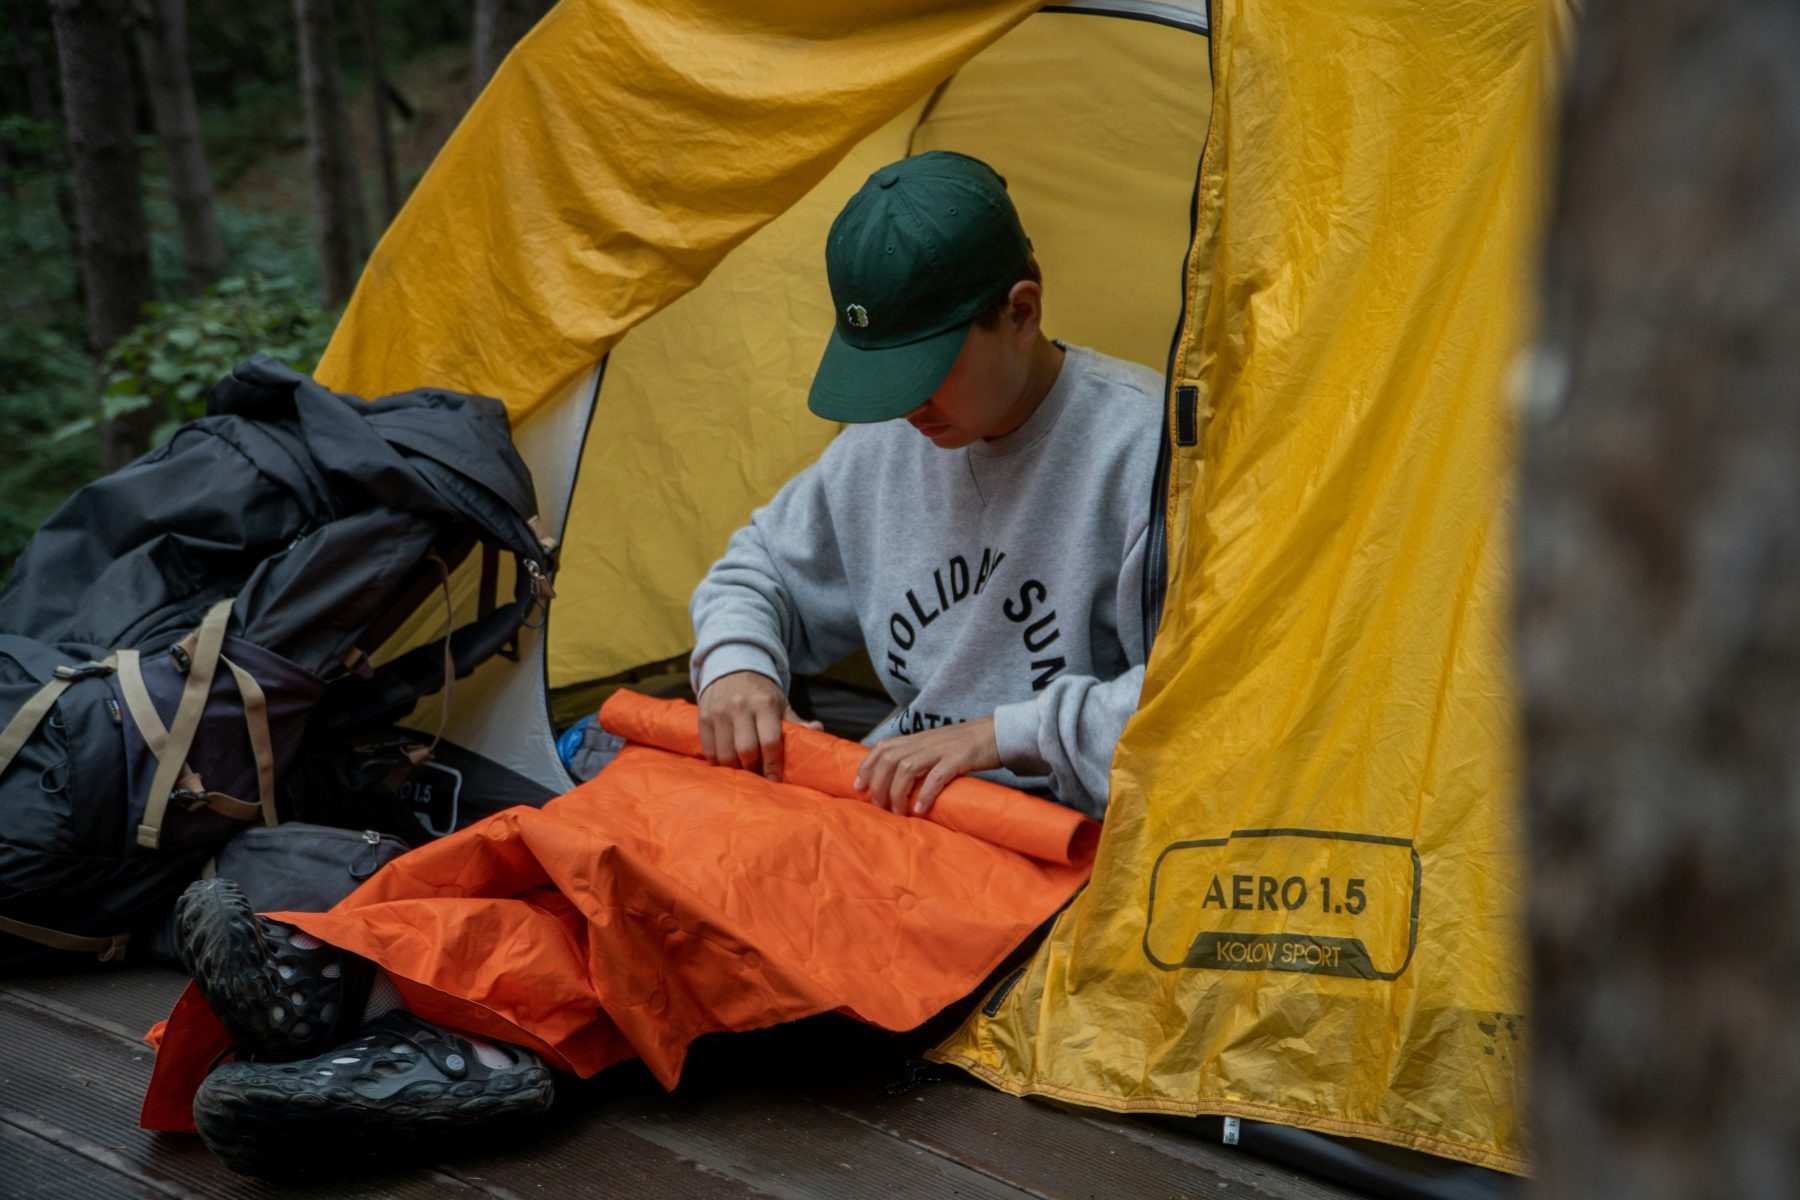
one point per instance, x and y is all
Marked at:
(668, 898)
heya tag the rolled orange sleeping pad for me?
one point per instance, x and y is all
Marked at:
(668, 898)
(1003, 816)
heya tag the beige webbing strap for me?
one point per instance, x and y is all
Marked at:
(544, 538)
(31, 714)
(138, 704)
(25, 722)
(110, 949)
(156, 737)
(256, 721)
(209, 639)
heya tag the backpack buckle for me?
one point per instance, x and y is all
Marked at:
(190, 801)
(86, 670)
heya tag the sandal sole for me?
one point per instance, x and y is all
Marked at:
(233, 961)
(280, 1126)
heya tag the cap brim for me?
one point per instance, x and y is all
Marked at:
(862, 386)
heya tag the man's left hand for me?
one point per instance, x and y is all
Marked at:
(929, 761)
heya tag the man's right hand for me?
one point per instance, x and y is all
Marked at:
(740, 722)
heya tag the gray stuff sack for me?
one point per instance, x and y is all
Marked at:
(296, 867)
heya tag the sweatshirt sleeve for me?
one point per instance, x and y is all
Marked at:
(1068, 731)
(778, 602)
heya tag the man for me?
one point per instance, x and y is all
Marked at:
(992, 565)
(980, 529)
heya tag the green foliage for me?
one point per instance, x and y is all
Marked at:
(31, 145)
(171, 360)
(42, 277)
(245, 74)
(262, 117)
(45, 382)
(236, 48)
(260, 242)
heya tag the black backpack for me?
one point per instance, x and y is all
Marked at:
(178, 630)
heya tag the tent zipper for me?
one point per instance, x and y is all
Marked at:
(1156, 561)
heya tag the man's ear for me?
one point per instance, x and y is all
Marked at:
(1025, 309)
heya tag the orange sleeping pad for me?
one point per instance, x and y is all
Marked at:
(668, 898)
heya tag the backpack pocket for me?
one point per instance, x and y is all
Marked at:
(59, 792)
(194, 781)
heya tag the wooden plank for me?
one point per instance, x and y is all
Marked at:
(83, 1088)
(577, 1144)
(36, 1168)
(131, 999)
(1044, 1148)
(793, 1148)
(1255, 1176)
(580, 1150)
(720, 1138)
(1057, 1153)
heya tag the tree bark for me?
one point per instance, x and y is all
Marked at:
(162, 48)
(1659, 614)
(337, 183)
(95, 66)
(498, 26)
(379, 91)
(42, 106)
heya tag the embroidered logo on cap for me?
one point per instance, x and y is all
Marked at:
(858, 315)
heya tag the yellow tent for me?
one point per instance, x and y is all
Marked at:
(1317, 219)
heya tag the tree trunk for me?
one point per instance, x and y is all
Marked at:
(378, 109)
(499, 24)
(41, 103)
(42, 106)
(1659, 614)
(337, 184)
(95, 64)
(162, 48)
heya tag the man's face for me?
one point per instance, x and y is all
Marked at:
(978, 398)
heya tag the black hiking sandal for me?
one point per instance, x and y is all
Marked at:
(280, 1002)
(400, 1092)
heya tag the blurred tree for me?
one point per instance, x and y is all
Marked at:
(162, 48)
(1659, 614)
(95, 66)
(40, 105)
(343, 235)
(498, 25)
(39, 102)
(380, 93)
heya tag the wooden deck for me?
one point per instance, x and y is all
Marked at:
(823, 1109)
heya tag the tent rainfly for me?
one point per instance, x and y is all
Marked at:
(1318, 220)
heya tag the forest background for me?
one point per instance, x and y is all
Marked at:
(235, 161)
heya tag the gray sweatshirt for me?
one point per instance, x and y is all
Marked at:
(1003, 578)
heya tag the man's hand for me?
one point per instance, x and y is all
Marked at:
(930, 760)
(740, 722)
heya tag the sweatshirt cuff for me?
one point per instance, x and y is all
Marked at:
(1016, 735)
(736, 656)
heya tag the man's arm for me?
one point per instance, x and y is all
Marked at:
(776, 602)
(1067, 731)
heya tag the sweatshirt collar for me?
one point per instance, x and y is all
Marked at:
(1044, 418)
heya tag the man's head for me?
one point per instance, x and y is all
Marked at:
(937, 297)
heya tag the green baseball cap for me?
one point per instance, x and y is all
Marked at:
(926, 245)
